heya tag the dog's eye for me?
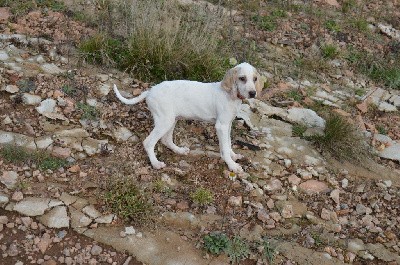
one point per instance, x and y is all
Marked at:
(242, 78)
(255, 79)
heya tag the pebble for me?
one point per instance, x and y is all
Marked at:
(129, 230)
(96, 250)
(235, 201)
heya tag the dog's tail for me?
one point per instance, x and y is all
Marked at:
(130, 101)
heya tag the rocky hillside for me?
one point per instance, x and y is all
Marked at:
(321, 146)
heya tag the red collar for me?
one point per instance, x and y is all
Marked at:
(240, 96)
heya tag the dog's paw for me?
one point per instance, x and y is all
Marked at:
(236, 168)
(158, 165)
(183, 150)
(236, 156)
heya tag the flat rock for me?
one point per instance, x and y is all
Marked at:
(105, 219)
(9, 179)
(44, 142)
(75, 132)
(51, 68)
(30, 99)
(3, 54)
(79, 219)
(355, 245)
(92, 146)
(12, 89)
(67, 198)
(381, 252)
(122, 134)
(3, 198)
(313, 186)
(104, 89)
(6, 137)
(32, 206)
(392, 152)
(386, 107)
(48, 109)
(56, 218)
(91, 211)
(305, 117)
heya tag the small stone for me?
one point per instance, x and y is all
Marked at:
(235, 201)
(74, 169)
(388, 183)
(13, 250)
(129, 230)
(96, 250)
(273, 185)
(51, 68)
(105, 219)
(182, 205)
(335, 196)
(263, 216)
(17, 196)
(361, 209)
(9, 179)
(61, 152)
(325, 214)
(294, 180)
(30, 99)
(56, 218)
(3, 219)
(313, 186)
(287, 211)
(355, 245)
(91, 211)
(345, 183)
(12, 89)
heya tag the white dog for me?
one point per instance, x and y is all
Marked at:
(182, 99)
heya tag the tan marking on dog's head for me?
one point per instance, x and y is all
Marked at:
(229, 79)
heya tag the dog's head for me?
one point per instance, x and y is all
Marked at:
(243, 81)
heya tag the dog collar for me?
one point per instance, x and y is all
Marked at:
(240, 96)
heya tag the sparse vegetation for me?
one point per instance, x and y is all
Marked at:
(329, 51)
(332, 25)
(298, 130)
(69, 90)
(123, 197)
(21, 7)
(341, 139)
(237, 250)
(269, 251)
(88, 112)
(202, 196)
(17, 154)
(215, 242)
(161, 40)
(294, 94)
(269, 22)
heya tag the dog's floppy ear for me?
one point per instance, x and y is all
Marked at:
(259, 84)
(229, 79)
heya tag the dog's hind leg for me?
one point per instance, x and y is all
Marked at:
(168, 141)
(161, 127)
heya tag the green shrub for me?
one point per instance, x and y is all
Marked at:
(269, 252)
(88, 112)
(332, 25)
(123, 197)
(215, 242)
(202, 196)
(294, 94)
(329, 51)
(237, 250)
(298, 130)
(341, 139)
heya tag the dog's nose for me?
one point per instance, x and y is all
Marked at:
(252, 94)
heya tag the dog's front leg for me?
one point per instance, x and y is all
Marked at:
(224, 145)
(233, 154)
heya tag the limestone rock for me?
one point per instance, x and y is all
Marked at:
(56, 218)
(313, 186)
(32, 206)
(392, 152)
(9, 179)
